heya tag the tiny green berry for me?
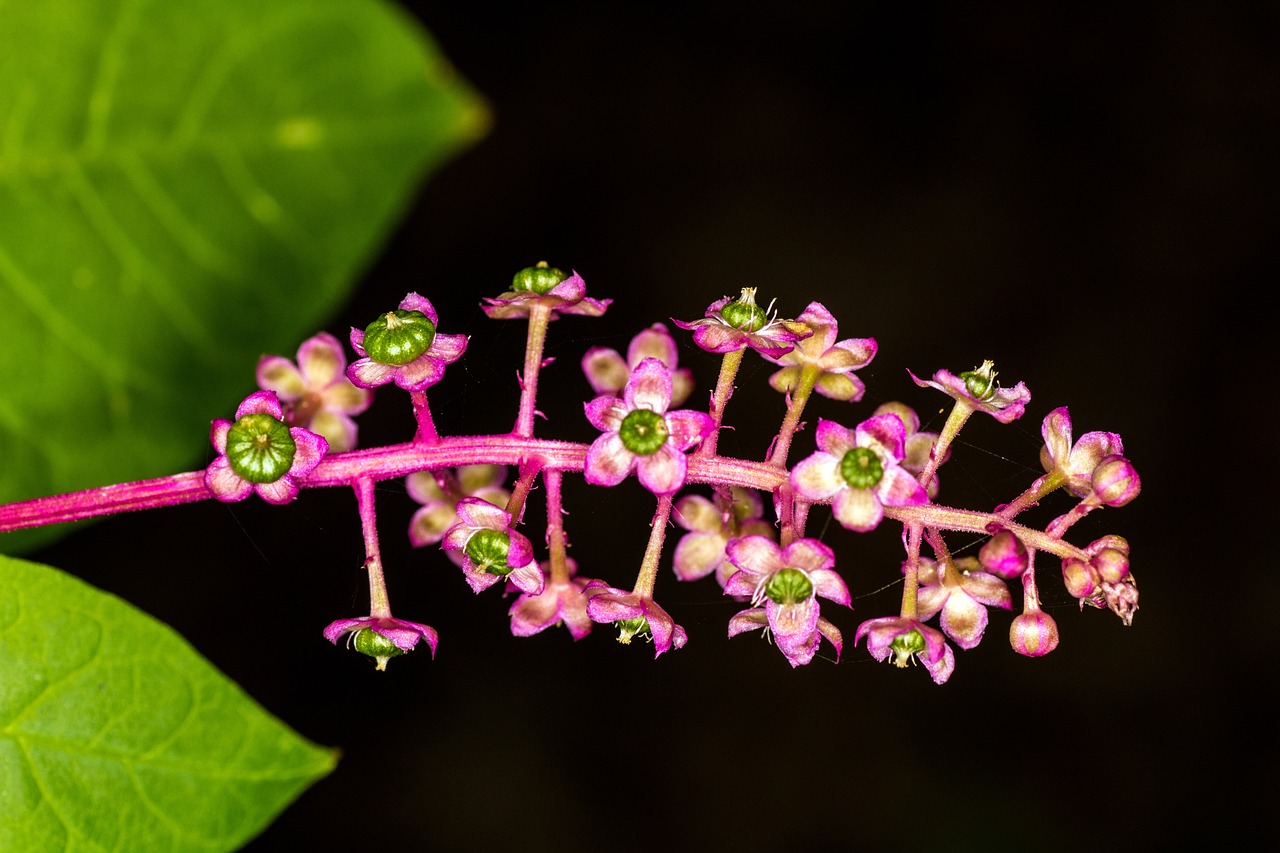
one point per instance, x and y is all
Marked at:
(398, 337)
(628, 628)
(743, 313)
(537, 279)
(861, 468)
(789, 586)
(488, 550)
(370, 642)
(260, 448)
(643, 432)
(981, 382)
(906, 645)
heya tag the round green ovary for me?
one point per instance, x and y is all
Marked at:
(371, 643)
(747, 316)
(398, 337)
(789, 586)
(861, 468)
(979, 384)
(488, 551)
(539, 279)
(260, 448)
(910, 643)
(643, 432)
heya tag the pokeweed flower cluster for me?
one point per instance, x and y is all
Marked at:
(869, 467)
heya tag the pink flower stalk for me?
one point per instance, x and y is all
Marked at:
(908, 639)
(558, 603)
(836, 359)
(438, 512)
(568, 296)
(316, 392)
(1074, 462)
(382, 637)
(977, 389)
(858, 471)
(701, 551)
(492, 549)
(918, 445)
(641, 435)
(259, 453)
(787, 582)
(732, 324)
(608, 371)
(634, 614)
(409, 351)
(962, 597)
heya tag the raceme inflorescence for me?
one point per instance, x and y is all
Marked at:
(299, 432)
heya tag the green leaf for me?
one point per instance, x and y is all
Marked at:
(183, 187)
(116, 735)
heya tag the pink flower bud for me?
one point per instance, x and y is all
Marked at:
(1033, 634)
(1115, 481)
(1004, 555)
(1081, 578)
(1111, 564)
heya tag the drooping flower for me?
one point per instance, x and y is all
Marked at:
(701, 551)
(918, 445)
(962, 597)
(548, 286)
(316, 393)
(558, 603)
(403, 346)
(382, 638)
(1074, 462)
(1105, 580)
(978, 390)
(836, 359)
(608, 371)
(438, 512)
(491, 548)
(641, 435)
(634, 614)
(908, 639)
(858, 471)
(731, 324)
(259, 453)
(784, 585)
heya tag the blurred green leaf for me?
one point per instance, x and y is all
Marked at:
(183, 187)
(116, 735)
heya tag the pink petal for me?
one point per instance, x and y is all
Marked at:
(260, 403)
(687, 427)
(281, 376)
(697, 555)
(858, 510)
(757, 555)
(817, 478)
(419, 374)
(606, 413)
(809, 555)
(414, 302)
(282, 491)
(834, 438)
(368, 373)
(321, 360)
(448, 348)
(605, 370)
(649, 387)
(964, 620)
(653, 342)
(608, 461)
(481, 513)
(226, 484)
(887, 431)
(662, 472)
(694, 512)
(310, 449)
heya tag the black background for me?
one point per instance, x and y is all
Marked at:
(1078, 195)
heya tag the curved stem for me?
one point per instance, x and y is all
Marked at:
(796, 400)
(653, 551)
(720, 398)
(539, 317)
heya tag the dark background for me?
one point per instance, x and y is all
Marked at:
(1077, 195)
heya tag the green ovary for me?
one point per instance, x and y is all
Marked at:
(260, 448)
(861, 468)
(399, 337)
(643, 432)
(789, 586)
(488, 551)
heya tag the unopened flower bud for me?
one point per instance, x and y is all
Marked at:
(1115, 481)
(1033, 634)
(398, 337)
(1080, 578)
(537, 279)
(1111, 564)
(1004, 555)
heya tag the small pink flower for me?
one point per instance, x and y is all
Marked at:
(1074, 462)
(546, 286)
(784, 585)
(491, 548)
(641, 435)
(409, 351)
(836, 359)
(978, 390)
(382, 638)
(608, 371)
(908, 639)
(316, 392)
(963, 603)
(259, 453)
(438, 512)
(558, 603)
(858, 471)
(731, 324)
(634, 614)
(701, 551)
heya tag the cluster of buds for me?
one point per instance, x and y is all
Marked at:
(298, 432)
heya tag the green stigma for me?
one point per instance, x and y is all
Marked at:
(398, 337)
(537, 279)
(861, 468)
(643, 432)
(488, 551)
(260, 448)
(744, 313)
(789, 586)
